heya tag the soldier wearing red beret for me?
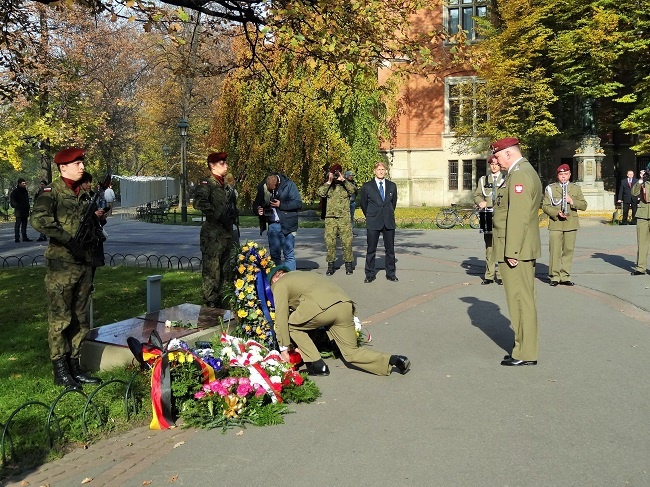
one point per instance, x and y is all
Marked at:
(218, 203)
(562, 200)
(517, 246)
(57, 213)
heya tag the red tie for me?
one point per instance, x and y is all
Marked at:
(629, 181)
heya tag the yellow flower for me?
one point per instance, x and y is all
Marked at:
(258, 330)
(181, 358)
(190, 358)
(242, 313)
(250, 277)
(240, 257)
(249, 289)
(239, 283)
(247, 328)
(258, 312)
(241, 269)
(251, 303)
(244, 249)
(272, 313)
(251, 258)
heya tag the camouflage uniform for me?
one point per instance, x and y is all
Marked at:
(57, 214)
(337, 217)
(218, 204)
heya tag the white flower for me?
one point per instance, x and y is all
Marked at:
(357, 323)
(175, 344)
(168, 324)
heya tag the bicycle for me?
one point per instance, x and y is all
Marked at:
(453, 215)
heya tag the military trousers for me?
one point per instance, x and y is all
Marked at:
(643, 241)
(491, 268)
(216, 252)
(338, 227)
(519, 285)
(68, 288)
(338, 319)
(561, 245)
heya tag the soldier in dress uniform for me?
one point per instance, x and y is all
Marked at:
(305, 301)
(517, 246)
(337, 191)
(218, 203)
(485, 196)
(641, 190)
(57, 213)
(562, 200)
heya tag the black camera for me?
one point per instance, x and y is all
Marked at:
(337, 174)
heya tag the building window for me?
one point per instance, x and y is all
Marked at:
(482, 168)
(459, 15)
(453, 175)
(467, 174)
(464, 98)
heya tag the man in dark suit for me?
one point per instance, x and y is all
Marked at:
(378, 202)
(625, 196)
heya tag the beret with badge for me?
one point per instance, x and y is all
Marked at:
(217, 157)
(563, 168)
(501, 144)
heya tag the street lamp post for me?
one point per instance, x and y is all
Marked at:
(166, 152)
(182, 128)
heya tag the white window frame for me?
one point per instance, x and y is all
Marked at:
(456, 80)
(459, 5)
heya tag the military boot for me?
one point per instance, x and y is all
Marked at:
(348, 268)
(79, 375)
(62, 375)
(330, 269)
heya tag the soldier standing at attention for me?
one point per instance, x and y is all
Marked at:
(517, 246)
(485, 196)
(57, 213)
(218, 204)
(640, 190)
(337, 190)
(562, 200)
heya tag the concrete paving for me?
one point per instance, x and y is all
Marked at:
(579, 418)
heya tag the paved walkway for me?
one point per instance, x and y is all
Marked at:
(580, 418)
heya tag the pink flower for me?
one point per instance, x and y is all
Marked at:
(199, 395)
(260, 391)
(244, 389)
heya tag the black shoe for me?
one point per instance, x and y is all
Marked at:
(567, 283)
(499, 282)
(392, 278)
(511, 362)
(79, 375)
(554, 283)
(25, 239)
(349, 269)
(17, 240)
(486, 282)
(402, 363)
(41, 239)
(317, 368)
(637, 273)
(330, 269)
(369, 279)
(62, 376)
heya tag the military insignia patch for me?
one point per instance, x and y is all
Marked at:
(204, 182)
(47, 190)
(519, 188)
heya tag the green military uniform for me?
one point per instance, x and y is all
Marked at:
(642, 225)
(516, 233)
(306, 301)
(486, 191)
(562, 232)
(57, 214)
(218, 205)
(337, 217)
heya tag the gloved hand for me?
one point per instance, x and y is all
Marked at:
(76, 250)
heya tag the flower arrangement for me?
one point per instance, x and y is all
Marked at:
(251, 384)
(254, 311)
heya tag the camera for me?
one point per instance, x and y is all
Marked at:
(337, 174)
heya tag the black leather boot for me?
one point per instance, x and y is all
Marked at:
(79, 375)
(62, 376)
(330, 269)
(348, 268)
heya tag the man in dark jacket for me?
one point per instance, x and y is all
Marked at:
(627, 199)
(378, 201)
(20, 203)
(277, 204)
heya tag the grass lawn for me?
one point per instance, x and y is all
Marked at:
(26, 371)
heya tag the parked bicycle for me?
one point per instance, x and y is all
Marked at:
(453, 215)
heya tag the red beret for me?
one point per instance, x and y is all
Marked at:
(217, 157)
(335, 167)
(66, 156)
(492, 160)
(501, 144)
(563, 168)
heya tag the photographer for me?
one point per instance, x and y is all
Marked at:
(337, 191)
(640, 190)
(277, 204)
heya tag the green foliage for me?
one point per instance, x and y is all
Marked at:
(307, 392)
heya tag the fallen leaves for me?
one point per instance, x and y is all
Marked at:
(179, 444)
(87, 480)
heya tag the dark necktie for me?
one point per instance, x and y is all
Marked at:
(381, 189)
